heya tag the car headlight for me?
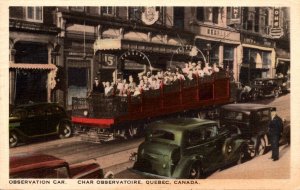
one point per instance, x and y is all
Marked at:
(85, 113)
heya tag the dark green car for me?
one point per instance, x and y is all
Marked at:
(36, 120)
(187, 148)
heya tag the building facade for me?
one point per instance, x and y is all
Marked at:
(115, 42)
(32, 37)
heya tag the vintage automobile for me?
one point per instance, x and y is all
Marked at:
(268, 87)
(33, 165)
(38, 119)
(250, 122)
(187, 148)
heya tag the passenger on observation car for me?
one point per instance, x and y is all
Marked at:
(108, 89)
(215, 68)
(98, 86)
(131, 85)
(207, 69)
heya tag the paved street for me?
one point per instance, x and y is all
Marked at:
(114, 156)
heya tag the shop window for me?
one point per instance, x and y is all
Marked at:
(34, 14)
(179, 17)
(108, 11)
(228, 57)
(135, 13)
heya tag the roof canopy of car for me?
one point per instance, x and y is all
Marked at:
(244, 107)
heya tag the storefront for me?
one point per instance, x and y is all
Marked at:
(258, 58)
(220, 46)
(32, 76)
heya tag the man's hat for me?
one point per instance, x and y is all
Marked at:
(273, 109)
(96, 78)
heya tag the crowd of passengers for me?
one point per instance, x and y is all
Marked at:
(148, 81)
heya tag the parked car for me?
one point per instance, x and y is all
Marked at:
(38, 119)
(250, 122)
(31, 165)
(187, 148)
(268, 87)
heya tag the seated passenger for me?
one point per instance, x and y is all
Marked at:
(215, 68)
(207, 69)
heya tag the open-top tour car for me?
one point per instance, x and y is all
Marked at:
(98, 118)
(187, 148)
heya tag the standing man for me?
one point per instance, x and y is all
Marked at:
(275, 130)
(97, 86)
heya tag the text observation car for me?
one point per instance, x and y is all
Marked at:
(268, 87)
(250, 122)
(187, 148)
(33, 165)
(38, 119)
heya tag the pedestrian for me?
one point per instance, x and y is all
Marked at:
(275, 130)
(98, 86)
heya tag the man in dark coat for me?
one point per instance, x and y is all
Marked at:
(275, 130)
(98, 86)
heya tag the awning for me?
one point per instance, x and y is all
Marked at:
(218, 40)
(124, 44)
(32, 66)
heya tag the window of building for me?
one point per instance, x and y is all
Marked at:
(107, 10)
(215, 15)
(135, 13)
(200, 14)
(79, 9)
(34, 14)
(245, 18)
(228, 57)
(256, 20)
(179, 17)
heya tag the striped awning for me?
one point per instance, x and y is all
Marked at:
(32, 66)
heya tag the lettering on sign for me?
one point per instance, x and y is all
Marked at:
(216, 32)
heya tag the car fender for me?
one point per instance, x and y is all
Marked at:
(183, 166)
(21, 135)
(236, 145)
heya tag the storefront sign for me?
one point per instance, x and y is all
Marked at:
(254, 40)
(150, 15)
(219, 33)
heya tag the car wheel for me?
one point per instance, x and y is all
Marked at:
(261, 146)
(13, 139)
(65, 130)
(195, 171)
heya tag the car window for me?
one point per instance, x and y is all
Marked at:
(36, 111)
(196, 137)
(234, 115)
(61, 172)
(161, 134)
(20, 113)
(54, 110)
(263, 115)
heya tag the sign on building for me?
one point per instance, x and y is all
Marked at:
(276, 31)
(150, 15)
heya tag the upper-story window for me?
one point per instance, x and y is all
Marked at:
(34, 14)
(208, 14)
(135, 13)
(79, 9)
(107, 10)
(179, 17)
